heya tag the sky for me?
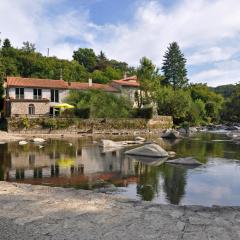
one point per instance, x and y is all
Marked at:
(207, 31)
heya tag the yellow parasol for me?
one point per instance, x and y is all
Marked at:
(64, 106)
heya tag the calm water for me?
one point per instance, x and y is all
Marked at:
(81, 163)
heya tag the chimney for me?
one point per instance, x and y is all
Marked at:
(125, 75)
(90, 82)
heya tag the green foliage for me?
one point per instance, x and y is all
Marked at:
(6, 44)
(82, 112)
(173, 103)
(174, 68)
(86, 57)
(213, 102)
(28, 47)
(231, 111)
(56, 123)
(226, 90)
(149, 79)
(101, 104)
(146, 112)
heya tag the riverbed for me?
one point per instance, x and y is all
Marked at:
(83, 164)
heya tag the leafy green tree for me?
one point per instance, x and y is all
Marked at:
(101, 104)
(173, 103)
(231, 110)
(213, 101)
(99, 77)
(28, 47)
(86, 57)
(147, 74)
(174, 68)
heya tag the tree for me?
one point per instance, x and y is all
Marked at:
(86, 57)
(231, 110)
(174, 68)
(28, 47)
(6, 44)
(213, 101)
(147, 74)
(101, 104)
(173, 103)
(102, 61)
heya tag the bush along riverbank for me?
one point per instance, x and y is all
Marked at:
(91, 126)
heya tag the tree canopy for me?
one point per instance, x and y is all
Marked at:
(174, 68)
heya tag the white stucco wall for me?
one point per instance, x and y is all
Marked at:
(46, 93)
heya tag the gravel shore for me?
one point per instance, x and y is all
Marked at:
(40, 212)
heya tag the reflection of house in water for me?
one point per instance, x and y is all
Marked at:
(57, 163)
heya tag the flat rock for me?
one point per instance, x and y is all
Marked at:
(185, 161)
(38, 140)
(148, 150)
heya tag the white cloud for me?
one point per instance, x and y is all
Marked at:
(207, 31)
(226, 72)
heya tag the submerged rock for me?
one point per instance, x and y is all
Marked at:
(148, 150)
(185, 161)
(171, 134)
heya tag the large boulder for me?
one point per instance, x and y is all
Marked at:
(171, 134)
(185, 161)
(148, 150)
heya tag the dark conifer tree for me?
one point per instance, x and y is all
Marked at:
(174, 68)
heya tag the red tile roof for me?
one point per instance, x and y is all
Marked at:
(96, 86)
(35, 82)
(129, 82)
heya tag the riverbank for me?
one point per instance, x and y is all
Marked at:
(11, 137)
(40, 212)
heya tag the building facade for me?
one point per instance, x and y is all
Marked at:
(34, 97)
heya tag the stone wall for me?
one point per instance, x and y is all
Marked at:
(21, 107)
(91, 126)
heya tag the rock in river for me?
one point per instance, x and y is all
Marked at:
(171, 134)
(22, 142)
(38, 140)
(185, 161)
(148, 150)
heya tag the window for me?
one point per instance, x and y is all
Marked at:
(37, 94)
(31, 109)
(19, 93)
(54, 95)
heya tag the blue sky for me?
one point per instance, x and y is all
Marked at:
(208, 31)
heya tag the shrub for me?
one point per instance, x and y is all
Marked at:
(82, 112)
(146, 112)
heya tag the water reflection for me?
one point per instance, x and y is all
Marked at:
(82, 164)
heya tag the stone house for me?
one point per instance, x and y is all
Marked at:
(128, 86)
(38, 97)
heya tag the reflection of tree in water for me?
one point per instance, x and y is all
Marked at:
(148, 184)
(174, 182)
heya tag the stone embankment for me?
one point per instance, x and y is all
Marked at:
(39, 212)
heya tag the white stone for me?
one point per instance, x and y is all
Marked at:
(148, 150)
(39, 140)
(22, 142)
